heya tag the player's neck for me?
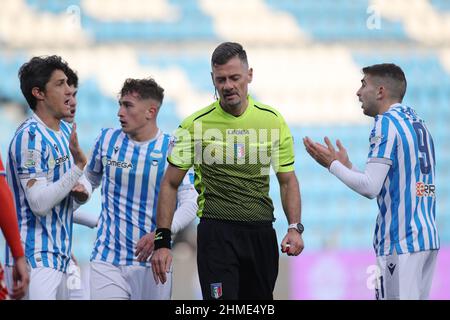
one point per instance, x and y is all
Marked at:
(144, 134)
(47, 118)
(386, 105)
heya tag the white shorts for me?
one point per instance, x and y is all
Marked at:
(68, 285)
(406, 276)
(109, 282)
(78, 285)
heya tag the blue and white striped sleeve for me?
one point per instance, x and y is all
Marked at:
(383, 141)
(94, 168)
(29, 152)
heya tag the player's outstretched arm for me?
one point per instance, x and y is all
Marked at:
(367, 183)
(162, 257)
(325, 155)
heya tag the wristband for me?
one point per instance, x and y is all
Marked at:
(163, 238)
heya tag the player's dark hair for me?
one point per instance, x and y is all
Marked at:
(72, 77)
(392, 72)
(145, 88)
(36, 73)
(226, 51)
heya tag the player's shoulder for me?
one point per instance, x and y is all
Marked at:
(109, 132)
(265, 109)
(167, 136)
(28, 129)
(199, 114)
(110, 136)
(385, 125)
(164, 137)
(29, 124)
(384, 119)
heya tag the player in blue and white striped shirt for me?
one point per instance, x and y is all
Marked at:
(400, 172)
(130, 163)
(45, 163)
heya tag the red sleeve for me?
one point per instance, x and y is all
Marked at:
(8, 218)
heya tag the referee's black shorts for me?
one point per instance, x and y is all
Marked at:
(236, 260)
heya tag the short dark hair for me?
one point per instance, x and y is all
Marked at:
(36, 73)
(145, 88)
(72, 77)
(392, 72)
(226, 51)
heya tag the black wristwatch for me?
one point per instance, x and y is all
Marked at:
(297, 226)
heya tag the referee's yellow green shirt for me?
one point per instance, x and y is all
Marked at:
(232, 157)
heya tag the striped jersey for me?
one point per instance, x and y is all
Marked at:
(407, 201)
(37, 151)
(130, 173)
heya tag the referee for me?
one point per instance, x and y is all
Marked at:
(232, 145)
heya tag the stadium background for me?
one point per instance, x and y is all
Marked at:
(306, 55)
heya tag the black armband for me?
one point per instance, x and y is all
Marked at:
(163, 238)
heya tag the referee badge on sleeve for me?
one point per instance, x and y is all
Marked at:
(216, 290)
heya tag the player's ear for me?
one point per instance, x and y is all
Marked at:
(250, 75)
(151, 112)
(212, 79)
(381, 92)
(37, 93)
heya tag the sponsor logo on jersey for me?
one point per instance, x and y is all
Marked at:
(216, 290)
(238, 132)
(375, 139)
(115, 163)
(52, 163)
(425, 190)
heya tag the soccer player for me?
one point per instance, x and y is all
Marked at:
(45, 163)
(79, 217)
(10, 229)
(400, 172)
(129, 163)
(77, 289)
(232, 144)
(72, 81)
